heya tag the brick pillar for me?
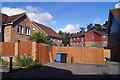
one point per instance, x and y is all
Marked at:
(16, 48)
(34, 50)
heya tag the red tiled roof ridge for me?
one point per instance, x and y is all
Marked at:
(49, 31)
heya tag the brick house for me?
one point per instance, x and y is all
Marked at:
(96, 38)
(114, 33)
(56, 38)
(15, 28)
(89, 38)
(78, 40)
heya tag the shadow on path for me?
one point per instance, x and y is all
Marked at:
(51, 72)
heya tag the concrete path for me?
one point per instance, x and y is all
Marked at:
(70, 70)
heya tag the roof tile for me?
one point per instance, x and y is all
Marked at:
(48, 30)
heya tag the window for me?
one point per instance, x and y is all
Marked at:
(93, 37)
(20, 29)
(58, 41)
(27, 31)
(0, 28)
(77, 42)
(104, 36)
(74, 38)
(53, 39)
(82, 44)
(93, 42)
(77, 37)
(82, 39)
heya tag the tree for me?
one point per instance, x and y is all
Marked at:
(90, 27)
(104, 26)
(98, 27)
(40, 38)
(82, 29)
(66, 38)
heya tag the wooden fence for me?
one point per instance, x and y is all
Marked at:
(42, 52)
(7, 48)
(25, 48)
(81, 55)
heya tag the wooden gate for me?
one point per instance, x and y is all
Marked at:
(43, 53)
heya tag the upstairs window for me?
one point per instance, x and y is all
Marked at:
(78, 38)
(82, 39)
(20, 29)
(27, 31)
(92, 37)
(0, 28)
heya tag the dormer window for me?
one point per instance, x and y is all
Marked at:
(20, 29)
(27, 31)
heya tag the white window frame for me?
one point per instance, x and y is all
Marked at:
(82, 39)
(27, 31)
(58, 40)
(74, 38)
(78, 38)
(20, 29)
(0, 29)
(104, 36)
(82, 44)
(93, 42)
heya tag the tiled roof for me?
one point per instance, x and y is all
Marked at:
(6, 19)
(50, 32)
(78, 34)
(84, 33)
(3, 17)
(14, 17)
(116, 13)
(101, 32)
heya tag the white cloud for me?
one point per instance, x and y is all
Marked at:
(70, 28)
(11, 11)
(34, 13)
(117, 5)
(31, 9)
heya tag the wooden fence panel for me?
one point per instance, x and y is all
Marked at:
(81, 55)
(43, 53)
(8, 48)
(25, 48)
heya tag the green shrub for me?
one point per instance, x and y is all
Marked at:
(26, 61)
(4, 63)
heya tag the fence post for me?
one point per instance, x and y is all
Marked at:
(34, 50)
(10, 68)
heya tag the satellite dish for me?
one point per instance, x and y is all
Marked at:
(117, 5)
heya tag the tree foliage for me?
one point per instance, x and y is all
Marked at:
(97, 27)
(40, 38)
(66, 38)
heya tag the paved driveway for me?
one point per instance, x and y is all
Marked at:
(69, 70)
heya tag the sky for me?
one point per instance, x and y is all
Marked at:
(65, 16)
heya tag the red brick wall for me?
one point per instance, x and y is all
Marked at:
(88, 36)
(22, 37)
